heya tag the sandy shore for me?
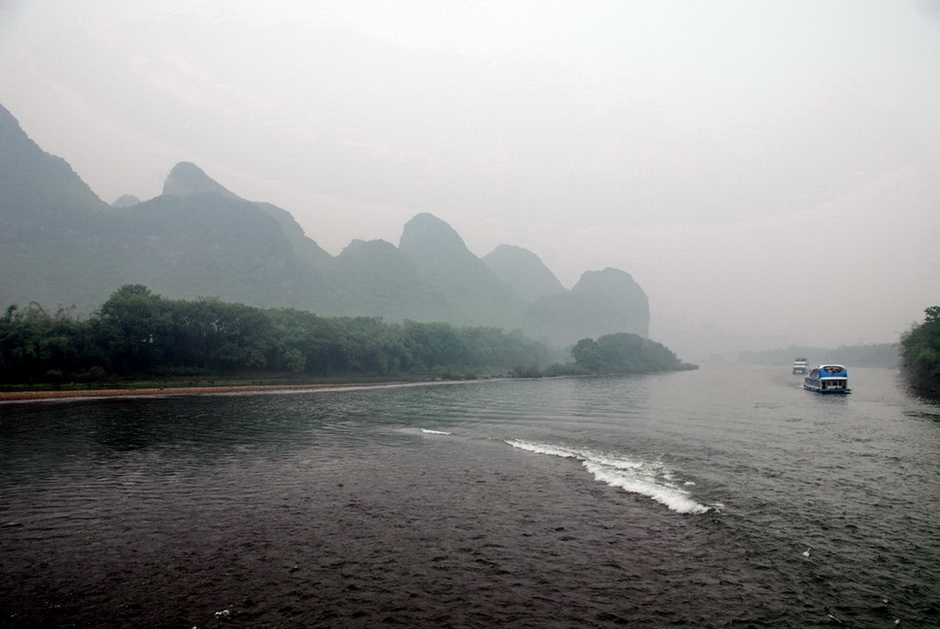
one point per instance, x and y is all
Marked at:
(25, 396)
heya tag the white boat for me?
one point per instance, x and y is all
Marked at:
(799, 365)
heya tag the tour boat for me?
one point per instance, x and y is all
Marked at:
(799, 365)
(829, 378)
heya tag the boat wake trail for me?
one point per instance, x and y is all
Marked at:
(651, 479)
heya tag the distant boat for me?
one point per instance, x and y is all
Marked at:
(829, 378)
(799, 365)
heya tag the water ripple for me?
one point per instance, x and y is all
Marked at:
(679, 499)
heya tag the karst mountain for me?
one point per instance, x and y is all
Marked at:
(62, 246)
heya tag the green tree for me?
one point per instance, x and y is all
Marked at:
(920, 354)
(624, 353)
(132, 328)
(34, 345)
(138, 333)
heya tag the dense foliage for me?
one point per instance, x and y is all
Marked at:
(137, 333)
(625, 353)
(920, 354)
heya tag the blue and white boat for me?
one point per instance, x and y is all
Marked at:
(828, 378)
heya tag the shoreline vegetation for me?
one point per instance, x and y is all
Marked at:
(140, 343)
(920, 355)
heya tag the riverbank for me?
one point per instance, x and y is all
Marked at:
(53, 394)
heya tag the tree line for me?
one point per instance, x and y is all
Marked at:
(625, 353)
(137, 334)
(920, 354)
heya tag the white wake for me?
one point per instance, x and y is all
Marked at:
(651, 479)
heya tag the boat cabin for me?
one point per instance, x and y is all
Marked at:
(830, 378)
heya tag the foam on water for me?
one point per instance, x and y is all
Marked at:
(651, 479)
(434, 432)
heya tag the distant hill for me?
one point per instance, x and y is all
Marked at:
(60, 245)
(50, 223)
(36, 185)
(876, 355)
(523, 271)
(472, 290)
(602, 302)
(380, 280)
(125, 200)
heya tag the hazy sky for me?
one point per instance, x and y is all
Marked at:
(769, 172)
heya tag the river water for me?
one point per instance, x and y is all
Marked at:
(723, 497)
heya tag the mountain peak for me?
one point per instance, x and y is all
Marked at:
(125, 200)
(187, 179)
(609, 278)
(524, 271)
(425, 233)
(622, 292)
(9, 125)
(34, 183)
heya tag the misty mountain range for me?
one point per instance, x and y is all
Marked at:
(62, 246)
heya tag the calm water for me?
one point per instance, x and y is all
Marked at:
(715, 498)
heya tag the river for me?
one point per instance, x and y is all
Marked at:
(723, 497)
